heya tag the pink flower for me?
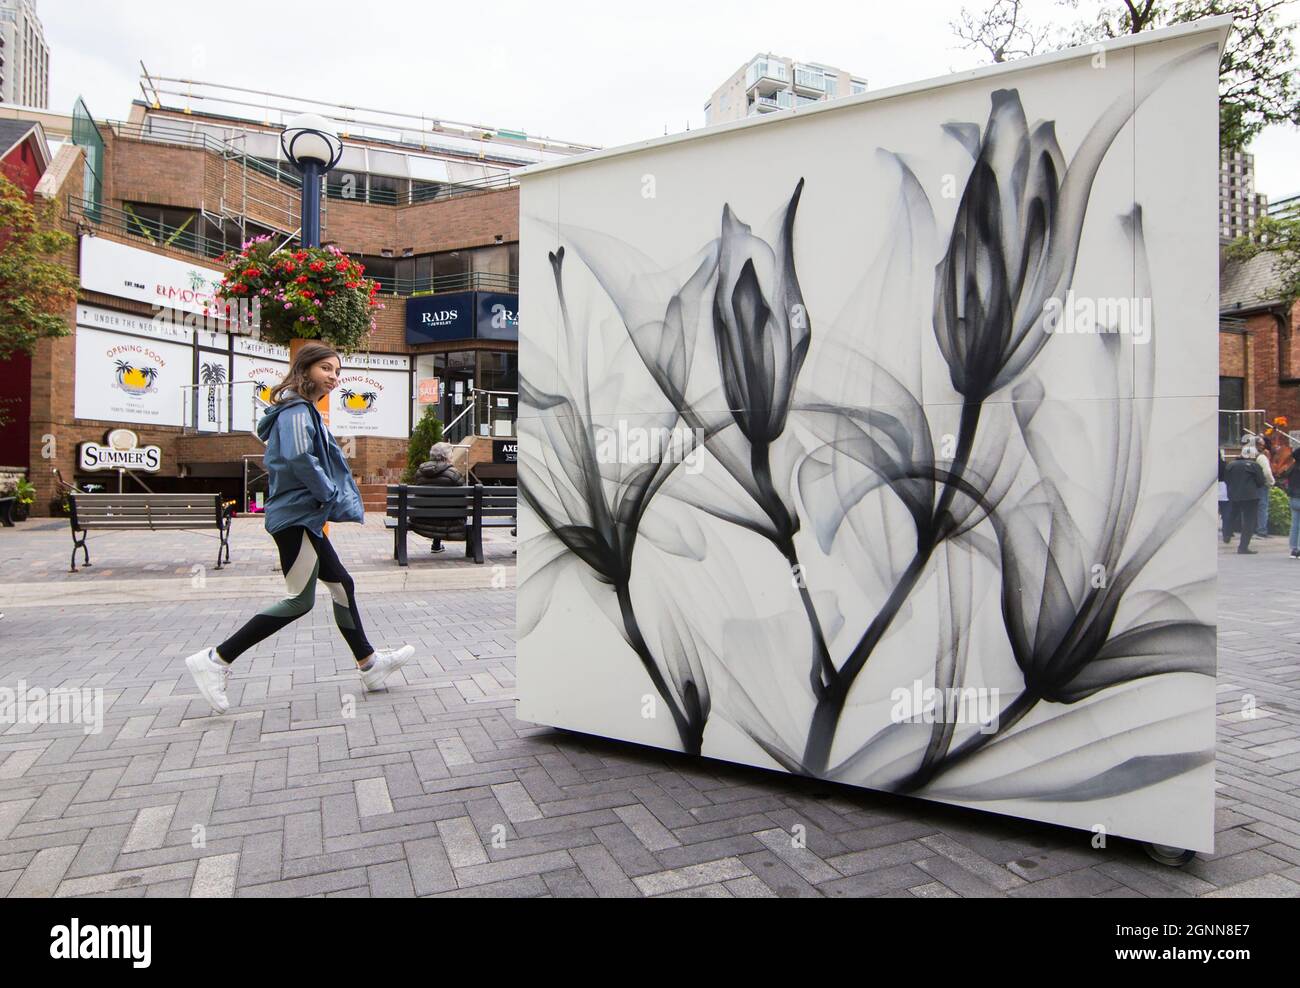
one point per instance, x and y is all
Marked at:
(288, 305)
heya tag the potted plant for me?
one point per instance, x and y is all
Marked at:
(303, 293)
(25, 491)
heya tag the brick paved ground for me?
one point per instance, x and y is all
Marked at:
(310, 787)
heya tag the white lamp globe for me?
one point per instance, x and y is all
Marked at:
(310, 137)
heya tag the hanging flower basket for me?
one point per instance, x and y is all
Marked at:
(316, 293)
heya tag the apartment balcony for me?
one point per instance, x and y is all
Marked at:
(782, 100)
(766, 76)
(812, 81)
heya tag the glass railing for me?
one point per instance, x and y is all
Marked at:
(158, 234)
(810, 79)
(764, 68)
(161, 133)
(144, 230)
(470, 281)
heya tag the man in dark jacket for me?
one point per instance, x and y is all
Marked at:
(438, 472)
(1245, 478)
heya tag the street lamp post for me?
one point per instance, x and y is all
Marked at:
(312, 146)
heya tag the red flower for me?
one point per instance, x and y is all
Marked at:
(301, 279)
(252, 273)
(342, 265)
(317, 265)
(300, 255)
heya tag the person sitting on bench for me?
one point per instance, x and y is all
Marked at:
(438, 472)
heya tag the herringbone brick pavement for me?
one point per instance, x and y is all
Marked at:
(310, 787)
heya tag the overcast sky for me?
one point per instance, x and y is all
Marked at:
(592, 72)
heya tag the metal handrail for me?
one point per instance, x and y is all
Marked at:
(428, 192)
(470, 281)
(129, 225)
(453, 430)
(134, 227)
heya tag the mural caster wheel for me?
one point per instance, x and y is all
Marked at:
(1174, 857)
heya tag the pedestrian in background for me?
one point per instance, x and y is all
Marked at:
(1225, 517)
(1290, 479)
(1245, 479)
(437, 471)
(1262, 458)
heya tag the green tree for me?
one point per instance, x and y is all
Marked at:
(1280, 236)
(1257, 85)
(36, 291)
(426, 432)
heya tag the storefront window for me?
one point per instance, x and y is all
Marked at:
(498, 375)
(498, 371)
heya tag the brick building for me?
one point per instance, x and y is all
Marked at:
(1259, 353)
(430, 208)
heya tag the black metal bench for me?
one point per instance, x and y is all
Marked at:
(477, 507)
(8, 505)
(146, 512)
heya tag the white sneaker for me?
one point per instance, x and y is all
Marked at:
(210, 676)
(385, 662)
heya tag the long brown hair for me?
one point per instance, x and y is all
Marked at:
(297, 378)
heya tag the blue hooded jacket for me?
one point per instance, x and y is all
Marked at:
(309, 479)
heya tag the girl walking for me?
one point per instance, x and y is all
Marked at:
(310, 484)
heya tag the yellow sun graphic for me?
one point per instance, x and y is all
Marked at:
(357, 402)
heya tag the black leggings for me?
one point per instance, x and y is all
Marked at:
(303, 557)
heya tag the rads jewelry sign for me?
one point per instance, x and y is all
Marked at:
(373, 397)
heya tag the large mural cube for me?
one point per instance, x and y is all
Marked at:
(873, 441)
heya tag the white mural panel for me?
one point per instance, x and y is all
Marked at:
(872, 441)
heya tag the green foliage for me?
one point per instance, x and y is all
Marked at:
(37, 293)
(1280, 235)
(315, 293)
(427, 432)
(25, 491)
(1279, 512)
(1257, 85)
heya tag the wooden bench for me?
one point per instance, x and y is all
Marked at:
(477, 507)
(146, 512)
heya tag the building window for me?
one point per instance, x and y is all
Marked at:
(387, 191)
(1232, 398)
